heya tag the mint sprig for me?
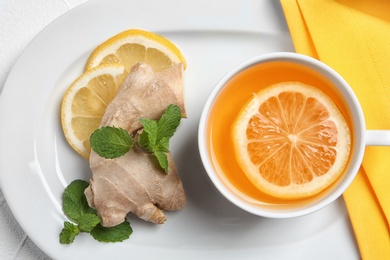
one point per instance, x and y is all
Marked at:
(111, 142)
(76, 208)
(156, 134)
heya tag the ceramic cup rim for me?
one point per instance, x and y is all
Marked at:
(358, 140)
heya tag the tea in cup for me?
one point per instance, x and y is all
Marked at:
(277, 81)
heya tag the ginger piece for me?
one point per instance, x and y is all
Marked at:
(134, 182)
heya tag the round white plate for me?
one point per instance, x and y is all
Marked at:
(36, 163)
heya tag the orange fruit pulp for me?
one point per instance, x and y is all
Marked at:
(229, 103)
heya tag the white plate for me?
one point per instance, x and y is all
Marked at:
(36, 163)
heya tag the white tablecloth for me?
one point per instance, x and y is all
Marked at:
(20, 22)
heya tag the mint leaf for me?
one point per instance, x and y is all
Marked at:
(148, 138)
(163, 145)
(111, 142)
(68, 233)
(168, 122)
(113, 234)
(162, 160)
(87, 222)
(74, 203)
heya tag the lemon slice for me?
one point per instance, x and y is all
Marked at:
(133, 46)
(291, 140)
(85, 102)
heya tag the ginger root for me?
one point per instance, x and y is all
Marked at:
(134, 182)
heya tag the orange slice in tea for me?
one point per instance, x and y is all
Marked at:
(291, 140)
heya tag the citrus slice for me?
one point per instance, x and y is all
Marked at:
(85, 102)
(133, 46)
(291, 140)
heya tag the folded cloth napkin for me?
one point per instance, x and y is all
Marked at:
(353, 37)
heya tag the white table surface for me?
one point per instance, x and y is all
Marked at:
(20, 22)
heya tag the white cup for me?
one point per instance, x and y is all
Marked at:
(293, 208)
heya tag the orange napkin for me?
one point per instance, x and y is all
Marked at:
(353, 37)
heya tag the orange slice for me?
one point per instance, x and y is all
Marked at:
(291, 140)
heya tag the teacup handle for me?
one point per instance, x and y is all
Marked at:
(378, 137)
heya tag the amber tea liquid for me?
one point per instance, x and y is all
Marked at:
(234, 96)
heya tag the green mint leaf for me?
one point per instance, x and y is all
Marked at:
(87, 222)
(68, 233)
(163, 145)
(74, 202)
(168, 122)
(113, 234)
(148, 138)
(162, 160)
(111, 142)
